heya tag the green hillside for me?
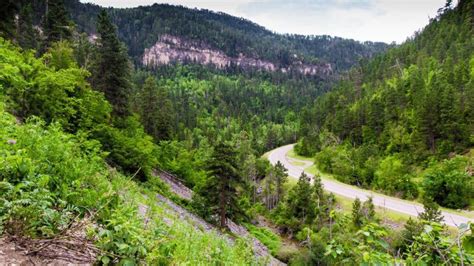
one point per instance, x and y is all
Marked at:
(404, 123)
(141, 27)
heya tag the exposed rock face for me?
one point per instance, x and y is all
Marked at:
(171, 49)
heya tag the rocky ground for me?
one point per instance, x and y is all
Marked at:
(69, 248)
(184, 192)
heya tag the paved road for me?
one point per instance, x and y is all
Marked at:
(395, 204)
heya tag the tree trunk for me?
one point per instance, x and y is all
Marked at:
(222, 208)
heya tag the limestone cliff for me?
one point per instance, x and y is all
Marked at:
(171, 49)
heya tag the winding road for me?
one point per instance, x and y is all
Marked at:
(352, 192)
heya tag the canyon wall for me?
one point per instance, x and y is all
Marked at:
(171, 49)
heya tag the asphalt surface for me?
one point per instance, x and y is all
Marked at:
(352, 192)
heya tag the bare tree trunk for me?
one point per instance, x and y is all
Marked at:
(254, 179)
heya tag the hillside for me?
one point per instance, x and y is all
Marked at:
(57, 190)
(144, 27)
(405, 120)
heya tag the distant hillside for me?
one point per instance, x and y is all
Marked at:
(142, 28)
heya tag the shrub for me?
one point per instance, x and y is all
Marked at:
(53, 88)
(129, 148)
(393, 177)
(448, 184)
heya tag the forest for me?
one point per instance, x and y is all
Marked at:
(88, 137)
(404, 123)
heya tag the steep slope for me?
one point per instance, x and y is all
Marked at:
(51, 179)
(396, 115)
(185, 193)
(144, 27)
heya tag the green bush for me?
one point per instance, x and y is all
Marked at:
(392, 176)
(129, 148)
(52, 87)
(47, 177)
(448, 184)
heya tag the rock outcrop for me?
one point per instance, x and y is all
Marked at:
(171, 49)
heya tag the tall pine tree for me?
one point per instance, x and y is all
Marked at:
(8, 10)
(57, 25)
(299, 198)
(27, 35)
(221, 190)
(156, 110)
(111, 70)
(281, 177)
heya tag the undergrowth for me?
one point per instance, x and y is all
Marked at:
(49, 178)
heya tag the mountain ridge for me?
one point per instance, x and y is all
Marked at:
(142, 27)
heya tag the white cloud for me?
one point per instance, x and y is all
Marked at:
(374, 20)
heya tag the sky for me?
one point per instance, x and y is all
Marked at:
(363, 20)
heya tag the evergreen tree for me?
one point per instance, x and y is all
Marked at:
(221, 189)
(111, 70)
(83, 50)
(318, 189)
(431, 212)
(411, 230)
(281, 177)
(57, 25)
(156, 110)
(321, 203)
(27, 36)
(8, 10)
(357, 213)
(250, 173)
(369, 209)
(270, 189)
(299, 199)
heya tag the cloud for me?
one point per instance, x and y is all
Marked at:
(375, 20)
(301, 6)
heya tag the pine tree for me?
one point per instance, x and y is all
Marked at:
(111, 70)
(411, 230)
(357, 212)
(369, 209)
(431, 212)
(57, 25)
(156, 110)
(318, 189)
(8, 10)
(83, 50)
(320, 202)
(269, 190)
(299, 199)
(27, 35)
(250, 173)
(281, 177)
(221, 189)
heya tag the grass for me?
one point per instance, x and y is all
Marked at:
(297, 163)
(271, 240)
(177, 237)
(292, 154)
(265, 155)
(387, 216)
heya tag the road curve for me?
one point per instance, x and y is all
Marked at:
(352, 192)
